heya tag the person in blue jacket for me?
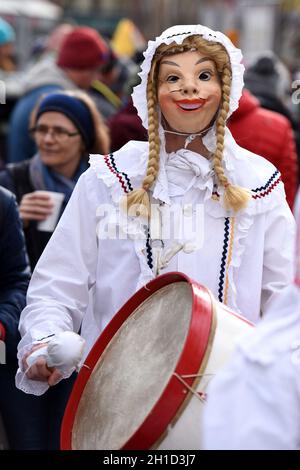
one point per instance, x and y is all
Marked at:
(14, 279)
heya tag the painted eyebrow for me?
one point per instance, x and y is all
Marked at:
(204, 59)
(170, 62)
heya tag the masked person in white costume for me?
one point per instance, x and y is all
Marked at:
(230, 203)
(254, 402)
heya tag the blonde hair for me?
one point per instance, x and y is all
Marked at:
(102, 139)
(235, 197)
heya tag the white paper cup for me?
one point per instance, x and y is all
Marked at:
(49, 224)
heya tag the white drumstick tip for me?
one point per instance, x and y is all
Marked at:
(64, 350)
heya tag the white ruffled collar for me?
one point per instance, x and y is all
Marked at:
(240, 166)
(180, 171)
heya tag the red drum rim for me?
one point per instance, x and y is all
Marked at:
(189, 363)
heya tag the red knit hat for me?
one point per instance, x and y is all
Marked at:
(83, 48)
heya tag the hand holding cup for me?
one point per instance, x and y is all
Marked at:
(42, 206)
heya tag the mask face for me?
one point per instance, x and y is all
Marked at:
(189, 91)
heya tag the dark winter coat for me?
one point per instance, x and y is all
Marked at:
(14, 272)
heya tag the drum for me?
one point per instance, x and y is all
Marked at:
(144, 382)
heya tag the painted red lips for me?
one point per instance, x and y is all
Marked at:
(190, 105)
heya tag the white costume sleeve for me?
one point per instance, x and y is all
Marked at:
(58, 293)
(252, 406)
(278, 254)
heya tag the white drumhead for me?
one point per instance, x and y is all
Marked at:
(134, 369)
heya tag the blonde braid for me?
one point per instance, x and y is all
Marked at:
(154, 141)
(139, 197)
(235, 197)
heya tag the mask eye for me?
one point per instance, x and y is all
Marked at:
(205, 76)
(172, 79)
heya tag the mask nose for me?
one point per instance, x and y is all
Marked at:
(190, 87)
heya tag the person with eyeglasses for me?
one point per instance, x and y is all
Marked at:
(66, 127)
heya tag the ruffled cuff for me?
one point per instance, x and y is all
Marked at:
(24, 384)
(35, 387)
